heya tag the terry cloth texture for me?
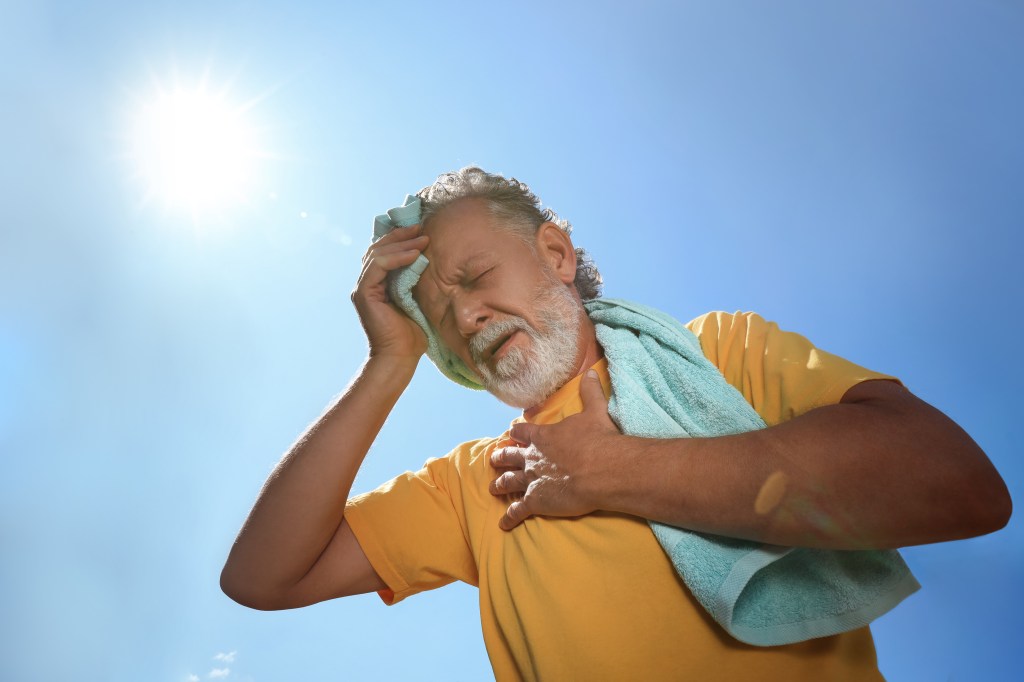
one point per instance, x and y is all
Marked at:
(664, 387)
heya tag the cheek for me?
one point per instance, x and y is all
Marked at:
(454, 342)
(517, 290)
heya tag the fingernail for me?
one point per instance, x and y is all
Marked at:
(592, 373)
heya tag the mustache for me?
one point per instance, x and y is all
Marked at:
(486, 337)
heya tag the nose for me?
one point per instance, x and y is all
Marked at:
(471, 315)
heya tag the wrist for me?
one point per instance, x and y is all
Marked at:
(398, 369)
(612, 483)
(638, 472)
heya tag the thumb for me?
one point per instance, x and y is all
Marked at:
(592, 392)
(523, 432)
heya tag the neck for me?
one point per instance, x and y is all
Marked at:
(587, 356)
(590, 351)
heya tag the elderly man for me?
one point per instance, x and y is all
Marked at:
(550, 519)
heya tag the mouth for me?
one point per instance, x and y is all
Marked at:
(499, 344)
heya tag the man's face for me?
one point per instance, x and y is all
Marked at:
(498, 305)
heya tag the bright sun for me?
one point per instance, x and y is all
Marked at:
(194, 150)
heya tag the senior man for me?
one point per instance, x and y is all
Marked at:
(551, 519)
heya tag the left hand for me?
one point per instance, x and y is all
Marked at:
(558, 470)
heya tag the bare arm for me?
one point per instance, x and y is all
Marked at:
(295, 548)
(880, 469)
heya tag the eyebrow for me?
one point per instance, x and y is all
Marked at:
(462, 268)
(472, 260)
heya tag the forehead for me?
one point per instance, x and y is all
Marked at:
(464, 238)
(464, 232)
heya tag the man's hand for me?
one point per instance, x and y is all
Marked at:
(558, 469)
(388, 330)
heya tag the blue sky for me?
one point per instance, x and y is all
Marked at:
(851, 171)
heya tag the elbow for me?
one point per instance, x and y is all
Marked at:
(241, 591)
(989, 507)
(998, 511)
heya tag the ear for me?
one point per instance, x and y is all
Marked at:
(555, 248)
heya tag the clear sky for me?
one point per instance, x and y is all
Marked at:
(852, 170)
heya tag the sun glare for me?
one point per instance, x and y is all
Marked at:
(194, 150)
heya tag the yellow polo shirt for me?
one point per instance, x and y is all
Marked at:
(595, 597)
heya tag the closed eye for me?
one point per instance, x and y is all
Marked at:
(483, 274)
(468, 281)
(471, 282)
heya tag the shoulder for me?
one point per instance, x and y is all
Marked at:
(467, 459)
(780, 373)
(718, 322)
(719, 331)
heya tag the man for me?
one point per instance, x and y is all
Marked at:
(550, 519)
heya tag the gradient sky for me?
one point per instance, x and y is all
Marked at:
(852, 170)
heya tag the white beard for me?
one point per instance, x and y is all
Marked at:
(524, 378)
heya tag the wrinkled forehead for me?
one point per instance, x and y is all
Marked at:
(463, 215)
(460, 232)
(452, 248)
(453, 255)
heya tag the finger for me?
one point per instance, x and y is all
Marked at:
(399, 233)
(409, 242)
(508, 458)
(380, 264)
(592, 392)
(509, 482)
(514, 515)
(370, 286)
(376, 251)
(524, 432)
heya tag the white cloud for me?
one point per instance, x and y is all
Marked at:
(227, 658)
(192, 678)
(218, 673)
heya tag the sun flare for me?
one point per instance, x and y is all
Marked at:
(193, 149)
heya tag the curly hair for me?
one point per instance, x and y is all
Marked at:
(516, 205)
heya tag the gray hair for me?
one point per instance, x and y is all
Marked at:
(519, 209)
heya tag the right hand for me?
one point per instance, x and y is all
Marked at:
(389, 331)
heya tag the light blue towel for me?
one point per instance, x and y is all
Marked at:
(664, 387)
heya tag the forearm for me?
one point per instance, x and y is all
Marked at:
(303, 501)
(871, 473)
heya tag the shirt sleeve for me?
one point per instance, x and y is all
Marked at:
(780, 373)
(413, 531)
